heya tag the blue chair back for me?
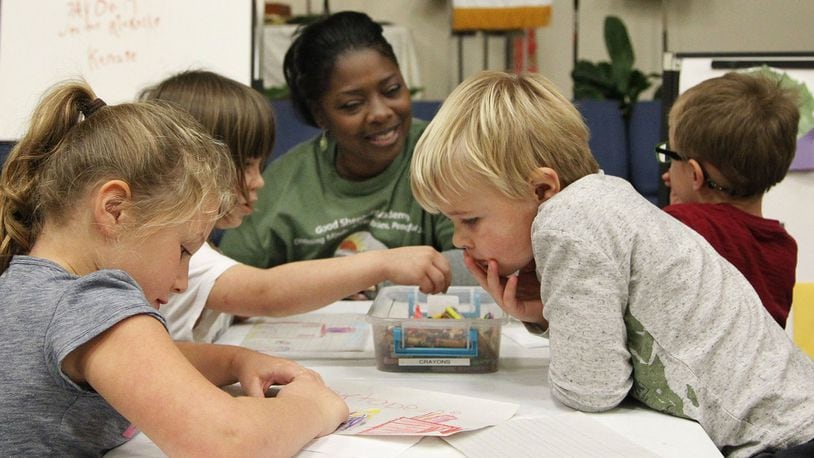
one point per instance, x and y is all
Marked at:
(5, 148)
(608, 140)
(291, 130)
(426, 109)
(644, 132)
(625, 154)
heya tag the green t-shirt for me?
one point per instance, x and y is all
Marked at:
(307, 211)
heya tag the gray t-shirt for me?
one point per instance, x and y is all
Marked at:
(45, 314)
(640, 304)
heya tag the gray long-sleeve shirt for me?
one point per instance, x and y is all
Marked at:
(638, 303)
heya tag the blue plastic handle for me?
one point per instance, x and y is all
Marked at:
(401, 350)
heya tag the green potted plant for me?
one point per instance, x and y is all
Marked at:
(614, 80)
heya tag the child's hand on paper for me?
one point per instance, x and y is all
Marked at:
(331, 407)
(417, 265)
(256, 372)
(518, 295)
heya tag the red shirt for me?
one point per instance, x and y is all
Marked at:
(760, 248)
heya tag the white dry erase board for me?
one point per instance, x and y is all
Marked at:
(790, 200)
(118, 46)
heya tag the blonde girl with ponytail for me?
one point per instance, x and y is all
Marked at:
(101, 208)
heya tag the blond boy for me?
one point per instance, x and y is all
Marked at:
(635, 303)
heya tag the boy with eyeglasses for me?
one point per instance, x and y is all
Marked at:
(731, 139)
(636, 303)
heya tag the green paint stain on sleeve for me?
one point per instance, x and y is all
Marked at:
(691, 395)
(649, 380)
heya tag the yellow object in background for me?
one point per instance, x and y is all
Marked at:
(500, 14)
(803, 317)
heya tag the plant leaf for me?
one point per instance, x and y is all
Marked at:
(622, 77)
(618, 44)
(639, 83)
(585, 91)
(277, 92)
(591, 74)
(616, 79)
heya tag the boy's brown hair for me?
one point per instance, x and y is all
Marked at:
(745, 125)
(495, 129)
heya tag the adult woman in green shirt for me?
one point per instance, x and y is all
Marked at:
(348, 189)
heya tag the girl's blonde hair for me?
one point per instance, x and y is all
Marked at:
(174, 169)
(495, 129)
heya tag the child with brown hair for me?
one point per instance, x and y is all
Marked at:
(636, 304)
(731, 139)
(221, 287)
(101, 208)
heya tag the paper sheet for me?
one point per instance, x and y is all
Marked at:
(320, 335)
(378, 409)
(337, 446)
(571, 434)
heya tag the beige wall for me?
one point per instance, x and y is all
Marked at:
(693, 26)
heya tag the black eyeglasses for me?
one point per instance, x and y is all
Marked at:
(665, 155)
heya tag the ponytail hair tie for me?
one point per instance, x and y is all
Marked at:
(88, 109)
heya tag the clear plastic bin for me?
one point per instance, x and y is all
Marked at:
(415, 332)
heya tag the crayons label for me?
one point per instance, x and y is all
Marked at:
(434, 362)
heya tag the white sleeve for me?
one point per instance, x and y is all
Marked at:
(186, 309)
(585, 294)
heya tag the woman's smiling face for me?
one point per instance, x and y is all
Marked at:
(367, 109)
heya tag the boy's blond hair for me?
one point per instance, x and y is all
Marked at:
(495, 129)
(745, 125)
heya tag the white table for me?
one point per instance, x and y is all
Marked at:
(522, 378)
(277, 39)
